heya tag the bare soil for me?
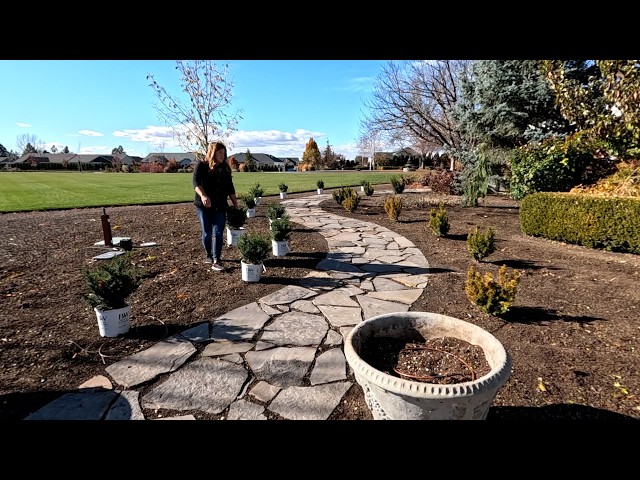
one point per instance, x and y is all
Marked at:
(572, 330)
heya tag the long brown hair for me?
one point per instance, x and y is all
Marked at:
(211, 152)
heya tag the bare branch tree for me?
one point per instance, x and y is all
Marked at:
(25, 139)
(203, 117)
(414, 100)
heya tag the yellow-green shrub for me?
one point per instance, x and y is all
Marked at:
(439, 221)
(481, 244)
(393, 206)
(491, 296)
(351, 200)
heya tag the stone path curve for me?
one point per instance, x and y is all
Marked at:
(260, 354)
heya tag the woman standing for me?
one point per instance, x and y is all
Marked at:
(213, 184)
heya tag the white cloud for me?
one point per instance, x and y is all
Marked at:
(24, 125)
(90, 133)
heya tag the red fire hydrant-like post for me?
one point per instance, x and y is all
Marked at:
(106, 229)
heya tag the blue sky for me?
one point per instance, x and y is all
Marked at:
(93, 106)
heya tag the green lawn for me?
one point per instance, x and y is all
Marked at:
(27, 191)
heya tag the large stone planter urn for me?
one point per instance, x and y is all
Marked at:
(393, 398)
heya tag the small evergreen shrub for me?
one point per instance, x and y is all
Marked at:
(439, 221)
(368, 188)
(351, 201)
(248, 199)
(254, 247)
(340, 194)
(393, 206)
(491, 296)
(320, 184)
(280, 229)
(481, 244)
(236, 217)
(283, 187)
(110, 283)
(257, 191)
(275, 210)
(397, 183)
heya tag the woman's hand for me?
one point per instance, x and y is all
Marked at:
(206, 201)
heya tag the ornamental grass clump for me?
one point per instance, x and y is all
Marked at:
(491, 296)
(393, 206)
(439, 221)
(481, 244)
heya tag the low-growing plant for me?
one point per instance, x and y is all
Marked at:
(481, 244)
(254, 247)
(280, 229)
(283, 187)
(368, 188)
(236, 217)
(351, 201)
(320, 184)
(491, 296)
(248, 199)
(275, 210)
(393, 206)
(439, 221)
(256, 190)
(110, 282)
(397, 183)
(341, 193)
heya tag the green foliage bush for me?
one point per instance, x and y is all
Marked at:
(341, 193)
(320, 184)
(283, 187)
(280, 228)
(557, 165)
(351, 200)
(248, 199)
(110, 282)
(397, 183)
(275, 210)
(256, 190)
(610, 223)
(368, 188)
(236, 217)
(439, 221)
(254, 247)
(481, 244)
(393, 206)
(491, 296)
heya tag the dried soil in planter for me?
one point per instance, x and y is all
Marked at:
(443, 360)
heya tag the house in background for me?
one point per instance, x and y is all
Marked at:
(266, 161)
(184, 160)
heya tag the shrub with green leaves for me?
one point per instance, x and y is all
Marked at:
(275, 210)
(481, 244)
(393, 206)
(368, 188)
(397, 183)
(248, 199)
(283, 187)
(351, 201)
(439, 221)
(341, 193)
(256, 190)
(254, 247)
(320, 184)
(236, 217)
(491, 296)
(110, 282)
(280, 229)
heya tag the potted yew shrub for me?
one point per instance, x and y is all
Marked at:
(109, 284)
(280, 230)
(250, 202)
(283, 187)
(254, 248)
(236, 218)
(320, 185)
(426, 366)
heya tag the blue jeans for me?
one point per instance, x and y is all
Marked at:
(212, 224)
